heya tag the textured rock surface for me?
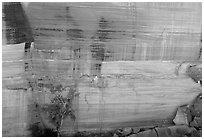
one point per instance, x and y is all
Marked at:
(148, 133)
(127, 131)
(183, 116)
(104, 32)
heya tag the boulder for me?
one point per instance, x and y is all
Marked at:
(176, 131)
(183, 116)
(163, 132)
(136, 130)
(147, 133)
(197, 122)
(194, 124)
(127, 131)
(119, 132)
(196, 106)
(115, 135)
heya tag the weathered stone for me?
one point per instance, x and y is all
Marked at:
(136, 130)
(147, 133)
(127, 131)
(200, 133)
(196, 106)
(199, 121)
(183, 116)
(119, 132)
(195, 133)
(194, 124)
(195, 72)
(163, 132)
(115, 135)
(175, 131)
(181, 130)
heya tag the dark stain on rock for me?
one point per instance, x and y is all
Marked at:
(98, 51)
(37, 131)
(50, 29)
(69, 18)
(36, 127)
(68, 15)
(103, 24)
(97, 47)
(18, 29)
(103, 33)
(74, 34)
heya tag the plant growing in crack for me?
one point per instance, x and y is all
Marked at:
(60, 107)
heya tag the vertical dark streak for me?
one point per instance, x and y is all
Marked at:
(27, 55)
(200, 52)
(17, 26)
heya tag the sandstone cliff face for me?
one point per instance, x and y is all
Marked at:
(124, 44)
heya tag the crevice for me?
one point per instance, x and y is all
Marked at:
(156, 131)
(86, 100)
